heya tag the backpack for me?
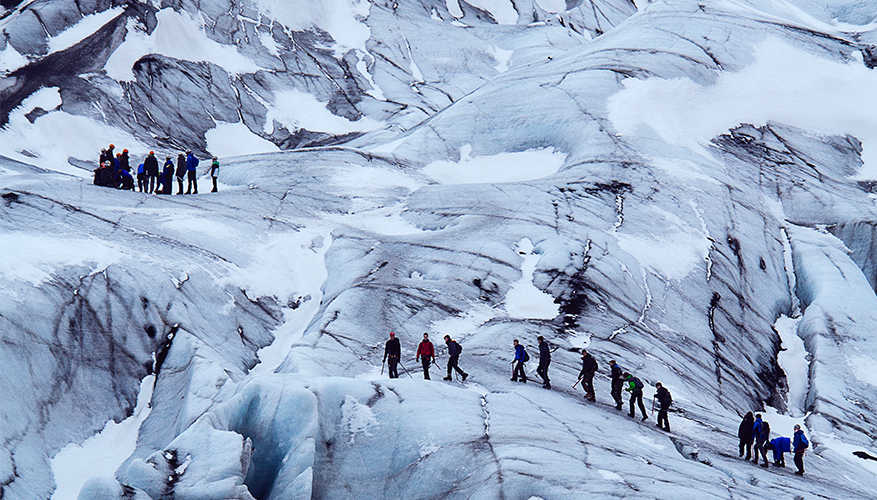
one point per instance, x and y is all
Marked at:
(526, 357)
(765, 430)
(637, 384)
(803, 441)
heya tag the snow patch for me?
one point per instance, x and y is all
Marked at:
(784, 84)
(56, 136)
(299, 110)
(103, 453)
(502, 11)
(180, 36)
(341, 19)
(521, 166)
(235, 139)
(502, 57)
(86, 26)
(32, 258)
(795, 361)
(357, 418)
(524, 300)
(11, 60)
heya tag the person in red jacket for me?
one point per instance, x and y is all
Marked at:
(425, 353)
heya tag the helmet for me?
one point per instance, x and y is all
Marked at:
(124, 150)
(112, 146)
(151, 153)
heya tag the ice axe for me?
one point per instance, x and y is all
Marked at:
(406, 369)
(577, 383)
(382, 366)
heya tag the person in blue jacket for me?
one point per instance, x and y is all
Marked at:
(124, 180)
(799, 445)
(192, 171)
(779, 446)
(518, 371)
(761, 433)
(141, 177)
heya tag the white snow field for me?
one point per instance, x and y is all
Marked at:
(685, 187)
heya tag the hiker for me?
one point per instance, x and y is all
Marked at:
(425, 353)
(117, 163)
(214, 174)
(544, 361)
(589, 368)
(635, 388)
(124, 180)
(664, 401)
(124, 161)
(141, 177)
(192, 170)
(392, 350)
(111, 155)
(181, 171)
(168, 176)
(799, 445)
(617, 383)
(103, 157)
(103, 175)
(150, 165)
(761, 433)
(779, 446)
(454, 351)
(521, 357)
(746, 435)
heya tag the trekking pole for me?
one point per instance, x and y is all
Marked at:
(406, 369)
(382, 366)
(577, 383)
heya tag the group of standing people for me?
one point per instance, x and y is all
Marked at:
(114, 170)
(755, 430)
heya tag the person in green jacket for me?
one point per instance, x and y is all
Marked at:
(635, 388)
(214, 173)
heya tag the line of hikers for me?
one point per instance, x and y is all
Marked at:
(114, 170)
(754, 430)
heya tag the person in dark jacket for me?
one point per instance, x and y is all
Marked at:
(799, 446)
(518, 370)
(392, 352)
(111, 154)
(125, 161)
(617, 383)
(214, 173)
(544, 361)
(168, 176)
(745, 434)
(103, 157)
(117, 163)
(181, 171)
(150, 164)
(103, 175)
(425, 354)
(454, 351)
(586, 375)
(192, 171)
(664, 401)
(635, 388)
(761, 433)
(779, 446)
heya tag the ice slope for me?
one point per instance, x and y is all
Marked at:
(667, 237)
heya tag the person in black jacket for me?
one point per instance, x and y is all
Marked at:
(124, 161)
(544, 361)
(181, 171)
(746, 436)
(664, 401)
(150, 164)
(617, 383)
(393, 351)
(454, 351)
(167, 176)
(589, 368)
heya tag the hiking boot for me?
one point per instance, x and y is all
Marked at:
(447, 378)
(513, 379)
(799, 472)
(765, 465)
(464, 376)
(546, 386)
(645, 418)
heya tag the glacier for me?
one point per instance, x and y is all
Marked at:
(686, 187)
